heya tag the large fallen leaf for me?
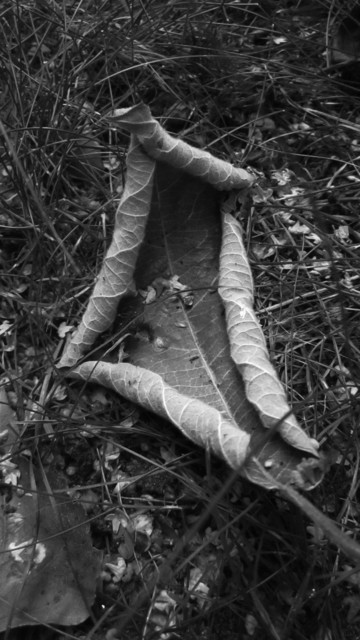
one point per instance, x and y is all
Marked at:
(115, 279)
(189, 346)
(48, 566)
(200, 422)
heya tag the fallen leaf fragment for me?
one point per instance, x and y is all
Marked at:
(198, 588)
(163, 615)
(117, 570)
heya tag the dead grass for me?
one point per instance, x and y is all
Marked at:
(250, 84)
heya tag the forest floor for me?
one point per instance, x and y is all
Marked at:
(254, 84)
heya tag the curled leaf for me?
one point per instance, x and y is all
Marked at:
(199, 422)
(247, 342)
(180, 353)
(115, 279)
(162, 146)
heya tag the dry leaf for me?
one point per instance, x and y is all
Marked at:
(186, 374)
(198, 421)
(115, 279)
(160, 145)
(247, 342)
(48, 567)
